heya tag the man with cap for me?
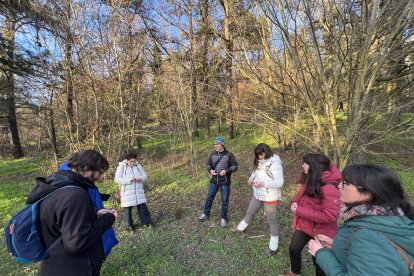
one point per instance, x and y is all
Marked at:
(221, 164)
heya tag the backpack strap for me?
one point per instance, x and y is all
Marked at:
(125, 169)
(138, 164)
(123, 175)
(35, 204)
(56, 242)
(402, 253)
(34, 212)
(268, 172)
(218, 161)
(348, 244)
(399, 249)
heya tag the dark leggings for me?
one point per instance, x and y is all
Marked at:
(143, 214)
(297, 243)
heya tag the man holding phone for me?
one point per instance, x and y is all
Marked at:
(221, 164)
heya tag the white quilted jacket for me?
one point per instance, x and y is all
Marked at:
(270, 173)
(132, 192)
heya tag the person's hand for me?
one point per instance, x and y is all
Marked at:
(314, 246)
(293, 207)
(213, 172)
(257, 184)
(326, 242)
(114, 212)
(138, 179)
(223, 172)
(106, 211)
(250, 182)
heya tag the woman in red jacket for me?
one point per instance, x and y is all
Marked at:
(316, 206)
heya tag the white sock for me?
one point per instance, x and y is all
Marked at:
(273, 243)
(242, 225)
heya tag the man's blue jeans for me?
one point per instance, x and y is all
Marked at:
(225, 194)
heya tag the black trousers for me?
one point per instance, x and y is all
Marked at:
(297, 243)
(143, 214)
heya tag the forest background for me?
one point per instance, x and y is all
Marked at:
(163, 77)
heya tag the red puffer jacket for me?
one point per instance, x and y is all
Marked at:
(315, 216)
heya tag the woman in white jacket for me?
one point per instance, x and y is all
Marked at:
(130, 176)
(266, 181)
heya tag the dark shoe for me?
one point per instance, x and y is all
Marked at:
(130, 228)
(268, 252)
(202, 218)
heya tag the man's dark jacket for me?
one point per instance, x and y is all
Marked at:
(219, 161)
(70, 213)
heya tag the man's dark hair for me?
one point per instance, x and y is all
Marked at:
(88, 159)
(130, 155)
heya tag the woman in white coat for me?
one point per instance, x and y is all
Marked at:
(130, 176)
(266, 181)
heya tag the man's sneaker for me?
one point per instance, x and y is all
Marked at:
(130, 228)
(202, 218)
(223, 223)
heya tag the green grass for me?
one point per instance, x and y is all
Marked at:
(184, 246)
(16, 181)
(404, 169)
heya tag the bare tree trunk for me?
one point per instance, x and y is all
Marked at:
(11, 105)
(195, 123)
(204, 61)
(52, 132)
(69, 76)
(228, 42)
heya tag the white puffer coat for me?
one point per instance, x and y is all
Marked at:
(132, 192)
(270, 173)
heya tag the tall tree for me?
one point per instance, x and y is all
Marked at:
(193, 74)
(205, 32)
(228, 9)
(332, 47)
(68, 65)
(10, 90)
(21, 60)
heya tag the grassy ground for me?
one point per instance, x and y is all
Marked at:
(182, 245)
(16, 180)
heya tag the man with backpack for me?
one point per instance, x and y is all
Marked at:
(71, 215)
(221, 164)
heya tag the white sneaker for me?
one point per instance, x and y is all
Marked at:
(202, 218)
(223, 223)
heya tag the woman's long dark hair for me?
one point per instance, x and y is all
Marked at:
(261, 148)
(318, 163)
(382, 183)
